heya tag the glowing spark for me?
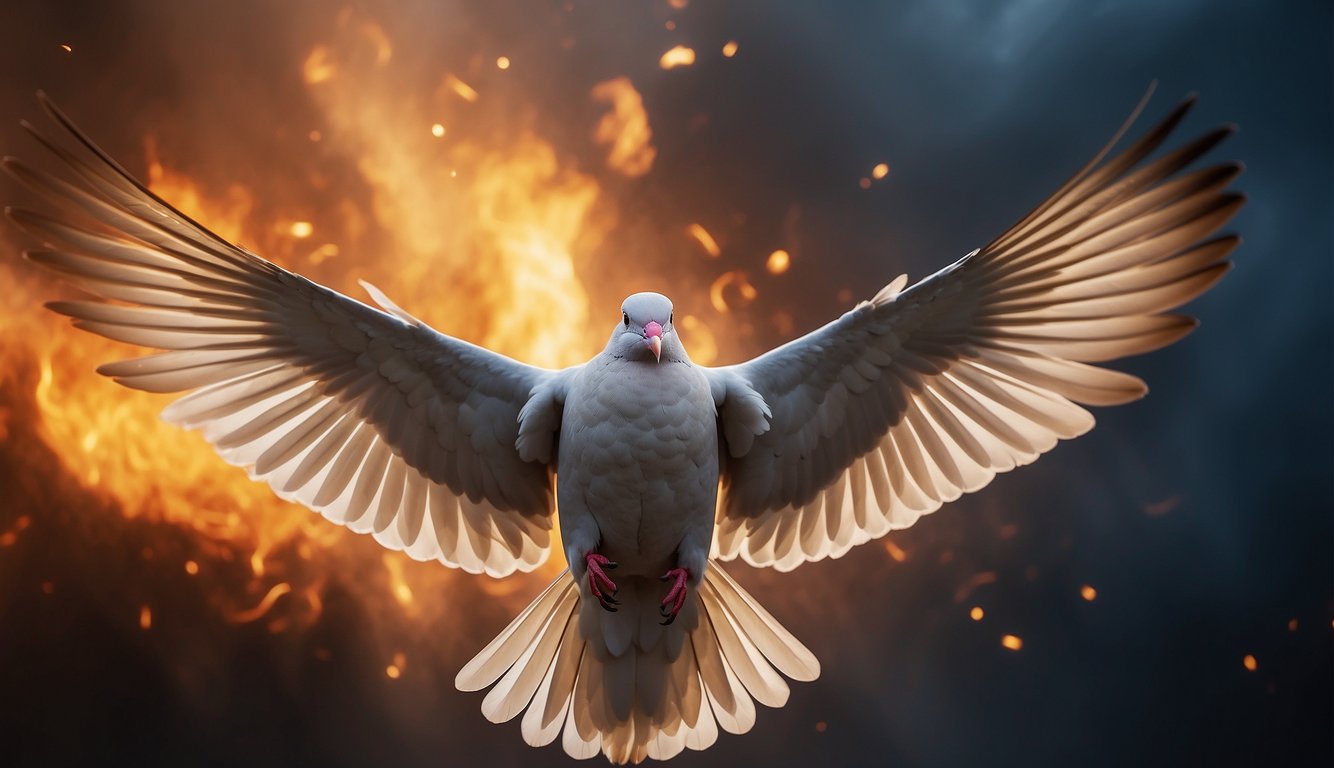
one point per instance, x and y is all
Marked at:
(717, 290)
(895, 551)
(249, 615)
(977, 613)
(705, 240)
(1248, 661)
(679, 56)
(1012, 642)
(146, 617)
(191, 567)
(462, 89)
(625, 128)
(318, 66)
(729, 48)
(301, 229)
(1088, 593)
(778, 262)
(67, 47)
(880, 171)
(395, 669)
(438, 130)
(503, 62)
(398, 585)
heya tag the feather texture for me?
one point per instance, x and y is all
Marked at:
(928, 392)
(366, 416)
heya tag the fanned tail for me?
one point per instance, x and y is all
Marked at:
(624, 685)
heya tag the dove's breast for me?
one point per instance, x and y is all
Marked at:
(638, 464)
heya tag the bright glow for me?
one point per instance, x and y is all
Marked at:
(729, 48)
(705, 240)
(191, 567)
(778, 262)
(976, 613)
(437, 130)
(895, 551)
(625, 129)
(738, 284)
(678, 56)
(503, 62)
(1012, 642)
(146, 618)
(1088, 593)
(301, 229)
(67, 48)
(1248, 661)
(880, 171)
(460, 88)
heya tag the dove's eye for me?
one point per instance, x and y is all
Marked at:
(626, 316)
(670, 316)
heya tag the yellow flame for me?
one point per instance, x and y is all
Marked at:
(677, 56)
(625, 128)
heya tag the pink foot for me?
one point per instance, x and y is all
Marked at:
(601, 585)
(676, 596)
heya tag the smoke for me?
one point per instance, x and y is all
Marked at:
(1201, 515)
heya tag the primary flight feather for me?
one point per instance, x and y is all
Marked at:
(448, 451)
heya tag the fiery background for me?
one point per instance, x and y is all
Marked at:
(1157, 592)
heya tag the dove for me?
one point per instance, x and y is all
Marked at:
(660, 468)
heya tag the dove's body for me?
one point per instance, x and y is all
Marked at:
(638, 465)
(448, 451)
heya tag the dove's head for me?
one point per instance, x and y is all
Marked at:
(645, 331)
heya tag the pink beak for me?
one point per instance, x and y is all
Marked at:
(653, 337)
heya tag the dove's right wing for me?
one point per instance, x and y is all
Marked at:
(371, 418)
(914, 398)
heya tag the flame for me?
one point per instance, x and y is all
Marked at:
(625, 128)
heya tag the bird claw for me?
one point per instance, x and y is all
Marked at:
(676, 596)
(601, 585)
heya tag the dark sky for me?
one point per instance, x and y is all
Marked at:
(981, 109)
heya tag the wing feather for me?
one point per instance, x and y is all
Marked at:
(921, 395)
(367, 416)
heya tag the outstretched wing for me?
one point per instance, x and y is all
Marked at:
(369, 417)
(916, 397)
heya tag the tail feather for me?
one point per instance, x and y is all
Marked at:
(622, 684)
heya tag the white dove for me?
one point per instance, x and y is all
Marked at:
(450, 452)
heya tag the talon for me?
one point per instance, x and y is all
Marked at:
(599, 584)
(676, 596)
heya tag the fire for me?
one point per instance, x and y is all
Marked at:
(778, 262)
(625, 128)
(705, 240)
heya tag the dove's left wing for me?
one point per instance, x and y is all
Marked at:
(918, 396)
(369, 417)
